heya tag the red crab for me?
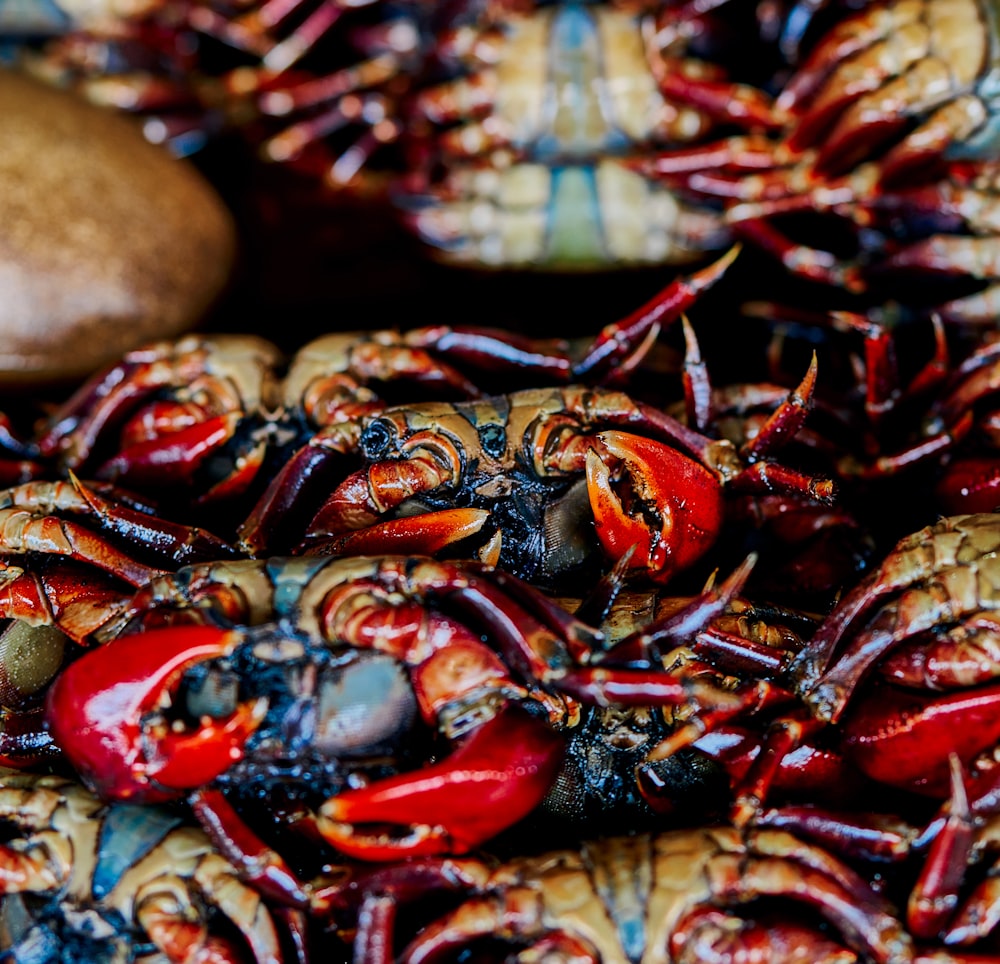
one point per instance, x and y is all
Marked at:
(211, 418)
(527, 470)
(114, 711)
(889, 124)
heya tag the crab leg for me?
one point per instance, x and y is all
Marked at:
(259, 864)
(312, 472)
(24, 532)
(843, 41)
(494, 349)
(67, 597)
(935, 895)
(787, 419)
(180, 543)
(789, 868)
(28, 872)
(620, 341)
(735, 103)
(180, 939)
(30, 521)
(708, 934)
(365, 496)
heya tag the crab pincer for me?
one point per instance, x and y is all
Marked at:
(663, 484)
(497, 776)
(104, 711)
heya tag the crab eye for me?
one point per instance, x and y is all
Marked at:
(377, 438)
(493, 439)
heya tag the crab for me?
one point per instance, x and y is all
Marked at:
(207, 420)
(524, 470)
(681, 896)
(80, 873)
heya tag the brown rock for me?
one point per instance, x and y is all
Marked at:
(106, 241)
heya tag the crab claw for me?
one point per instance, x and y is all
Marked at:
(103, 710)
(497, 776)
(170, 458)
(906, 739)
(424, 534)
(646, 494)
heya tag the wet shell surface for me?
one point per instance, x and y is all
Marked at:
(107, 240)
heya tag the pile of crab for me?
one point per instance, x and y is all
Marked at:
(456, 644)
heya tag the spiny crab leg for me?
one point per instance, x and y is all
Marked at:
(680, 627)
(102, 709)
(935, 896)
(42, 517)
(786, 420)
(619, 343)
(180, 543)
(497, 776)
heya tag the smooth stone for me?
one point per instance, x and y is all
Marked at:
(106, 240)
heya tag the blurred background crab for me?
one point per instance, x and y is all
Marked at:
(117, 883)
(451, 100)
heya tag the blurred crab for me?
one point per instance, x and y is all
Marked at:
(523, 159)
(113, 880)
(500, 128)
(890, 124)
(917, 73)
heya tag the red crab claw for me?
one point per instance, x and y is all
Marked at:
(99, 711)
(497, 776)
(970, 484)
(424, 534)
(172, 456)
(655, 498)
(905, 738)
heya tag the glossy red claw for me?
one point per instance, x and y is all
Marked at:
(906, 739)
(425, 534)
(497, 776)
(172, 457)
(648, 495)
(103, 709)
(969, 484)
